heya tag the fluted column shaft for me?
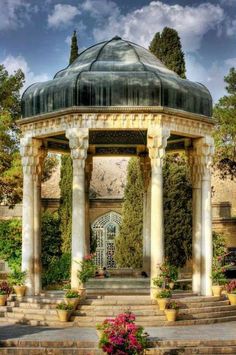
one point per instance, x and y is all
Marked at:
(78, 141)
(157, 141)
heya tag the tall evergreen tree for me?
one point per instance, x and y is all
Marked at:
(74, 48)
(225, 132)
(65, 209)
(167, 47)
(129, 242)
(177, 201)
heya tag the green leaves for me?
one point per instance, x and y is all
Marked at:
(167, 47)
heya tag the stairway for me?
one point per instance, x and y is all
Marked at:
(42, 310)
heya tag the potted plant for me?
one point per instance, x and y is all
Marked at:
(167, 277)
(87, 270)
(171, 311)
(162, 298)
(231, 292)
(218, 275)
(64, 311)
(122, 336)
(72, 297)
(17, 279)
(5, 291)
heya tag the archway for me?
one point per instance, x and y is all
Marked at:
(104, 231)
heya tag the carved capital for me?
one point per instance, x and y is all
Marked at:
(78, 142)
(200, 158)
(32, 156)
(156, 143)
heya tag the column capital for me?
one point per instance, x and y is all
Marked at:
(200, 158)
(78, 142)
(156, 143)
(32, 155)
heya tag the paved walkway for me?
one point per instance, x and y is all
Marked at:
(220, 331)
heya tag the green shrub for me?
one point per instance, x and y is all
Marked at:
(58, 270)
(10, 242)
(51, 238)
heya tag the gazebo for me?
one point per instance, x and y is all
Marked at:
(117, 98)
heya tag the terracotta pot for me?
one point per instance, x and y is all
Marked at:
(63, 315)
(3, 300)
(19, 290)
(72, 301)
(232, 298)
(216, 290)
(162, 302)
(171, 314)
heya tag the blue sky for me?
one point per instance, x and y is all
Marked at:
(35, 35)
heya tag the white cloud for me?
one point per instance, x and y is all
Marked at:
(191, 22)
(212, 77)
(14, 63)
(62, 15)
(14, 13)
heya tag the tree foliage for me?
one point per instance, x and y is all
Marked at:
(65, 209)
(129, 242)
(74, 48)
(177, 200)
(166, 46)
(225, 130)
(11, 179)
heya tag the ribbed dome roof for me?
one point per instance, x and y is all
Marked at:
(116, 73)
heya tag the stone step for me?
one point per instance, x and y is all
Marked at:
(188, 350)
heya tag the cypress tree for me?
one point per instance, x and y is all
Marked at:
(65, 209)
(129, 242)
(73, 49)
(167, 47)
(177, 201)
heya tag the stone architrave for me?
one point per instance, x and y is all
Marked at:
(31, 160)
(157, 142)
(78, 142)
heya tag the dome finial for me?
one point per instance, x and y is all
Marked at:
(116, 38)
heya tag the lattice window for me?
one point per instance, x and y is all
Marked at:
(104, 231)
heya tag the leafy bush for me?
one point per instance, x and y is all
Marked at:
(122, 336)
(51, 238)
(231, 287)
(87, 269)
(172, 305)
(219, 244)
(17, 277)
(5, 288)
(72, 294)
(65, 307)
(58, 270)
(164, 294)
(168, 274)
(10, 242)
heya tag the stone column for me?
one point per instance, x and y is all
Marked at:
(37, 222)
(29, 149)
(157, 141)
(196, 218)
(78, 142)
(206, 149)
(146, 171)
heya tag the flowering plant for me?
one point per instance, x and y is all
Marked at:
(218, 271)
(172, 305)
(121, 336)
(168, 274)
(5, 289)
(87, 268)
(231, 287)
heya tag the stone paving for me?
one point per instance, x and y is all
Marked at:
(222, 331)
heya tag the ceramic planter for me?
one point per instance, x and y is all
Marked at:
(72, 301)
(171, 314)
(19, 290)
(3, 300)
(216, 290)
(63, 315)
(232, 298)
(162, 302)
